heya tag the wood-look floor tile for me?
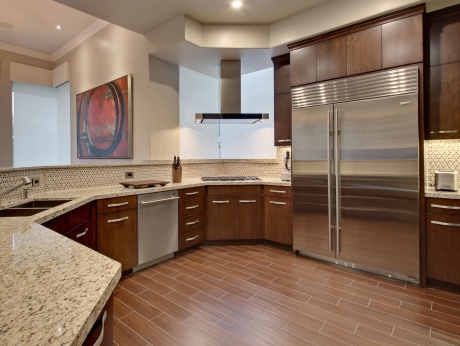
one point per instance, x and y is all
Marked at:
(348, 314)
(200, 285)
(345, 275)
(224, 257)
(131, 285)
(274, 272)
(313, 336)
(416, 338)
(117, 287)
(179, 330)
(431, 313)
(175, 284)
(253, 288)
(163, 269)
(149, 331)
(196, 307)
(150, 271)
(124, 336)
(299, 273)
(324, 275)
(248, 258)
(445, 337)
(446, 310)
(250, 271)
(166, 305)
(120, 309)
(379, 337)
(227, 287)
(222, 249)
(245, 332)
(192, 258)
(435, 293)
(238, 249)
(349, 338)
(137, 304)
(183, 269)
(152, 285)
(281, 289)
(370, 276)
(281, 262)
(205, 269)
(207, 257)
(280, 336)
(228, 271)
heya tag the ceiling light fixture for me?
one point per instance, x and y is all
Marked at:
(236, 4)
(58, 27)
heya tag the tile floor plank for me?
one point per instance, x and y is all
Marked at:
(175, 284)
(253, 288)
(120, 309)
(378, 337)
(350, 338)
(123, 335)
(311, 335)
(152, 285)
(166, 305)
(137, 304)
(416, 338)
(131, 285)
(250, 271)
(227, 287)
(200, 285)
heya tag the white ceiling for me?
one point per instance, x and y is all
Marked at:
(143, 16)
(34, 24)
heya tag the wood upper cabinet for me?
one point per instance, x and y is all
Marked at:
(364, 51)
(303, 65)
(221, 218)
(443, 120)
(283, 119)
(331, 59)
(282, 77)
(402, 42)
(443, 35)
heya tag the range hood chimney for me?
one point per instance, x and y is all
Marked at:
(230, 99)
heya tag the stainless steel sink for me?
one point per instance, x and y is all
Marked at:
(51, 203)
(18, 212)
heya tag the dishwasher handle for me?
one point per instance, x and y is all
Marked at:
(160, 200)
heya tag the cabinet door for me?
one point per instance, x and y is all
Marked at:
(444, 102)
(117, 237)
(402, 42)
(303, 65)
(248, 223)
(282, 76)
(331, 59)
(443, 37)
(364, 51)
(278, 219)
(283, 119)
(221, 218)
(442, 244)
(84, 234)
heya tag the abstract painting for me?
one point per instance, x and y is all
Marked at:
(104, 121)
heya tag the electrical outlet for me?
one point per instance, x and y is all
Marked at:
(35, 182)
(129, 175)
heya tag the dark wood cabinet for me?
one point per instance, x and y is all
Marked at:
(402, 42)
(283, 120)
(364, 51)
(221, 218)
(248, 223)
(278, 214)
(103, 326)
(192, 217)
(303, 65)
(443, 118)
(443, 29)
(331, 59)
(282, 74)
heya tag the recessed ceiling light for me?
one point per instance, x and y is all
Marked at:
(58, 27)
(236, 4)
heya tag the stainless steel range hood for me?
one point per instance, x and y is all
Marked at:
(230, 99)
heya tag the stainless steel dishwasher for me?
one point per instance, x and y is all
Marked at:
(157, 235)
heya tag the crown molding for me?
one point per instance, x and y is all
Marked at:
(24, 51)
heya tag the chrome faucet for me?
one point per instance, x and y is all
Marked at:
(25, 181)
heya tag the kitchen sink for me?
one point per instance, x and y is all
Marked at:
(18, 212)
(43, 203)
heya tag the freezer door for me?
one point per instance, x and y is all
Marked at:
(377, 143)
(311, 175)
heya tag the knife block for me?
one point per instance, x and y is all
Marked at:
(177, 175)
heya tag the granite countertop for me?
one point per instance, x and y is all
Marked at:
(431, 192)
(52, 289)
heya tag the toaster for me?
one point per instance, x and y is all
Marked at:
(446, 180)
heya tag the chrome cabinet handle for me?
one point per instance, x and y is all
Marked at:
(329, 219)
(192, 223)
(193, 238)
(280, 203)
(446, 224)
(118, 220)
(284, 140)
(451, 131)
(192, 207)
(277, 191)
(444, 206)
(101, 336)
(247, 201)
(117, 204)
(160, 200)
(191, 193)
(81, 234)
(337, 181)
(405, 103)
(220, 202)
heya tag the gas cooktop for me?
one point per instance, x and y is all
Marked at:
(229, 178)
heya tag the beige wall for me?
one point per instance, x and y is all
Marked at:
(6, 137)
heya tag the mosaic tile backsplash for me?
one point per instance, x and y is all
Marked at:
(75, 177)
(441, 155)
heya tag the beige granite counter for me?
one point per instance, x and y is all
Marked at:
(52, 289)
(431, 192)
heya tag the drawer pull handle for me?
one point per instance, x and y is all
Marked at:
(118, 220)
(117, 204)
(220, 202)
(277, 191)
(192, 207)
(405, 103)
(446, 223)
(191, 193)
(281, 203)
(82, 233)
(248, 201)
(192, 223)
(284, 140)
(160, 200)
(451, 131)
(444, 206)
(101, 336)
(193, 238)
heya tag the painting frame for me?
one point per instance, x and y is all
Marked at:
(104, 117)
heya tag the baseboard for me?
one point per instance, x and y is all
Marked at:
(233, 242)
(445, 286)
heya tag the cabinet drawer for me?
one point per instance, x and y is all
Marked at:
(192, 206)
(67, 222)
(84, 234)
(278, 191)
(191, 238)
(192, 222)
(116, 204)
(232, 190)
(192, 193)
(443, 206)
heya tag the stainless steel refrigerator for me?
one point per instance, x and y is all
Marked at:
(355, 172)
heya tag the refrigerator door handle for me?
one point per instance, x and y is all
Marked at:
(329, 202)
(337, 180)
